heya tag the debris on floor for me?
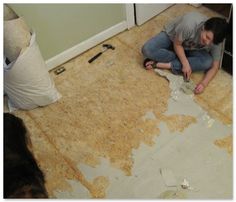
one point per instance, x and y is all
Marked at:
(180, 89)
(149, 116)
(172, 194)
(110, 63)
(188, 87)
(206, 120)
(168, 177)
(59, 70)
(185, 185)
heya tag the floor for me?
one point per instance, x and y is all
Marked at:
(117, 126)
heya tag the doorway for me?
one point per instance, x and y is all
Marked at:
(144, 12)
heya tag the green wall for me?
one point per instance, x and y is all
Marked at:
(59, 27)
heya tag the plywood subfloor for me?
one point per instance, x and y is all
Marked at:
(111, 108)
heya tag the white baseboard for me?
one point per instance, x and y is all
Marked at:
(85, 45)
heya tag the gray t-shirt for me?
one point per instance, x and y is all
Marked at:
(188, 30)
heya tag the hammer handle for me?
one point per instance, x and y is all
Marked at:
(95, 57)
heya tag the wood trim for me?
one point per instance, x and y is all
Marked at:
(130, 15)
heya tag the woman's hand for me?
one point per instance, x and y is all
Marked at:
(186, 69)
(199, 88)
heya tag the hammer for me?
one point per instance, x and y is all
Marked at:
(105, 48)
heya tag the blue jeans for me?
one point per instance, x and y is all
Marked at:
(160, 49)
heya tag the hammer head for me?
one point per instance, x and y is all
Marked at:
(108, 46)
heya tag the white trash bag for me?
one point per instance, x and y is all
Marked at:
(27, 83)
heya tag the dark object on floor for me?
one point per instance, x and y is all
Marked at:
(59, 70)
(22, 176)
(106, 47)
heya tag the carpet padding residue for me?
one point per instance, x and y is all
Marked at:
(100, 115)
(225, 143)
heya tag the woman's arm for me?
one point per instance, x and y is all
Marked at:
(207, 77)
(179, 50)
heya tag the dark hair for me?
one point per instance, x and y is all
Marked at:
(22, 175)
(219, 28)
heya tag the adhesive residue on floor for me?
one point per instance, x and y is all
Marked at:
(225, 143)
(111, 116)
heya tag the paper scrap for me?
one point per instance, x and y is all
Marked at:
(168, 177)
(185, 185)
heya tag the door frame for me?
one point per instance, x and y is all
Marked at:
(130, 15)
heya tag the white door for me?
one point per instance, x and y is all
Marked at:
(144, 12)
